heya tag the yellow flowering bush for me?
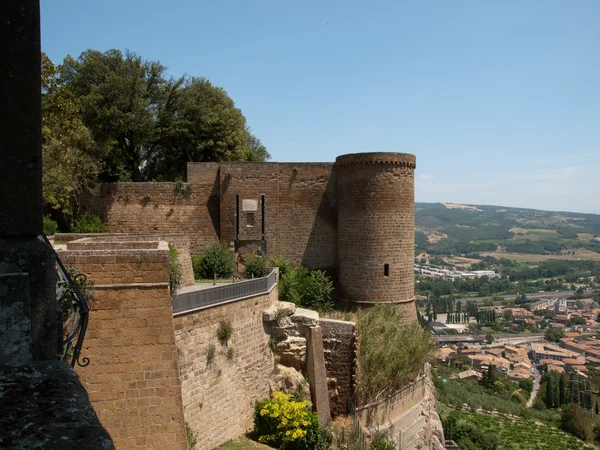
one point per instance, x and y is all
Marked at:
(289, 425)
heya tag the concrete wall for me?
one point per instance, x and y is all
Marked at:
(132, 378)
(218, 398)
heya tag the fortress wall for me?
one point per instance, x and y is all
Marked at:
(219, 397)
(300, 215)
(155, 208)
(133, 377)
(376, 229)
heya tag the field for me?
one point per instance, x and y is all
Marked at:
(521, 434)
(532, 257)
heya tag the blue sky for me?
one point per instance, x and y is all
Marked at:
(499, 100)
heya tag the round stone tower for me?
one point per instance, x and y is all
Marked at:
(376, 229)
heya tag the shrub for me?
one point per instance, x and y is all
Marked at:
(281, 263)
(224, 332)
(380, 442)
(215, 260)
(256, 267)
(289, 425)
(210, 354)
(390, 352)
(89, 223)
(50, 226)
(310, 289)
(175, 272)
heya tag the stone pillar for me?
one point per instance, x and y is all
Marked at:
(21, 179)
(317, 375)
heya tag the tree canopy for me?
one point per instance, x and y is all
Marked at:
(114, 116)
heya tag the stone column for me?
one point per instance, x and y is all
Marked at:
(21, 190)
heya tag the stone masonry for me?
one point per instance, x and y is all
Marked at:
(133, 377)
(219, 392)
(353, 218)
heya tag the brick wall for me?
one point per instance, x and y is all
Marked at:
(218, 398)
(339, 344)
(376, 228)
(155, 208)
(132, 378)
(300, 214)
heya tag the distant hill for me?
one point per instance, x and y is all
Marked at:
(443, 228)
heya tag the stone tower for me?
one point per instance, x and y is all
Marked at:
(375, 226)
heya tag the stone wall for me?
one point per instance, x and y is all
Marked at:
(409, 417)
(99, 241)
(339, 343)
(159, 208)
(300, 214)
(132, 378)
(219, 395)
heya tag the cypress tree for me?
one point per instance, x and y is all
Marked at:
(562, 389)
(549, 393)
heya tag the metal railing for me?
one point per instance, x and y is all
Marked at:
(358, 435)
(74, 307)
(190, 301)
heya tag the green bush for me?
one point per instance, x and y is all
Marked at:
(289, 425)
(175, 272)
(224, 331)
(256, 267)
(50, 226)
(89, 223)
(215, 260)
(309, 289)
(381, 442)
(281, 263)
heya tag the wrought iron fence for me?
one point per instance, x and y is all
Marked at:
(190, 301)
(74, 307)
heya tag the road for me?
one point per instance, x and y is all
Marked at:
(536, 387)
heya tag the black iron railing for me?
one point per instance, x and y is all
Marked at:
(190, 301)
(74, 306)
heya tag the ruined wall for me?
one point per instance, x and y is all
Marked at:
(219, 397)
(339, 343)
(300, 214)
(155, 208)
(132, 378)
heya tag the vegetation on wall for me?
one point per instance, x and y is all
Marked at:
(224, 331)
(216, 260)
(286, 424)
(390, 353)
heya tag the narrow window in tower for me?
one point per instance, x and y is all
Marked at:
(386, 270)
(249, 219)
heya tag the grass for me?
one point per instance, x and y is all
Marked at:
(243, 443)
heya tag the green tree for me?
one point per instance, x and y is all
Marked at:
(199, 122)
(68, 150)
(118, 95)
(549, 392)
